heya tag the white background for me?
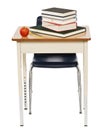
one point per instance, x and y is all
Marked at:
(55, 97)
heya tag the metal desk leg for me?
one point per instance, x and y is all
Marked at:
(25, 81)
(20, 82)
(85, 68)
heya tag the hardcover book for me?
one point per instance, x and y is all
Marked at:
(58, 17)
(59, 27)
(63, 34)
(58, 11)
(57, 21)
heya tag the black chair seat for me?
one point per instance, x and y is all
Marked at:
(55, 60)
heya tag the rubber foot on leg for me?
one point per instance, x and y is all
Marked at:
(30, 113)
(21, 125)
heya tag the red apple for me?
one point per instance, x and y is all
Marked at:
(24, 31)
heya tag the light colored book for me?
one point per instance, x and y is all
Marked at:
(59, 27)
(57, 17)
(63, 34)
(58, 11)
(58, 21)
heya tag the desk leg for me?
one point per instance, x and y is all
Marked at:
(20, 82)
(25, 81)
(85, 70)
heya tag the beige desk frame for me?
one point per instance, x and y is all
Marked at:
(49, 44)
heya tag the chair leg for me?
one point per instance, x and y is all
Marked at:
(79, 88)
(30, 88)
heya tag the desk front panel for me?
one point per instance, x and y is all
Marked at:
(52, 47)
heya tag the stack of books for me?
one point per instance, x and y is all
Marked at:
(59, 19)
(58, 22)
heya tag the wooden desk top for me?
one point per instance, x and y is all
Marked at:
(47, 38)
